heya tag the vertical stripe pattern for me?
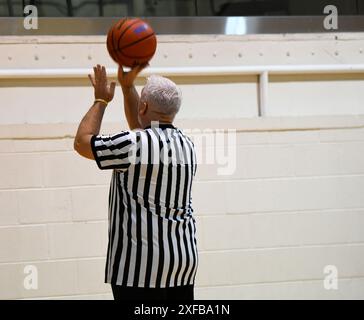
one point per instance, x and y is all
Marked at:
(152, 230)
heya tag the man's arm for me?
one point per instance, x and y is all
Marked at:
(89, 126)
(131, 101)
(91, 122)
(131, 95)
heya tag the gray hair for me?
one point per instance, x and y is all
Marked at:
(163, 94)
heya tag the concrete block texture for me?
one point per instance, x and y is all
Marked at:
(275, 202)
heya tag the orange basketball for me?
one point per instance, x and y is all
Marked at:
(131, 42)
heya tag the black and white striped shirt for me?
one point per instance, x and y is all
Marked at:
(152, 230)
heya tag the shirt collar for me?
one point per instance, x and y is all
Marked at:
(163, 126)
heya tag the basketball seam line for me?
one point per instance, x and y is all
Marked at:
(112, 33)
(126, 29)
(135, 42)
(121, 23)
(112, 36)
(135, 57)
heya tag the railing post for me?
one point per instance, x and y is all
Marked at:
(263, 93)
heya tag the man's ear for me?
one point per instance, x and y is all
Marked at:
(143, 108)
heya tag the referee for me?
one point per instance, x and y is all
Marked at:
(152, 249)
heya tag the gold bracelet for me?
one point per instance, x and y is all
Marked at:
(101, 100)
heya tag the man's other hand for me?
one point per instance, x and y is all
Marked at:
(127, 79)
(103, 90)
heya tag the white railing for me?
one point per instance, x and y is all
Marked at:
(262, 71)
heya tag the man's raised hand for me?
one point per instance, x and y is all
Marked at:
(103, 90)
(127, 79)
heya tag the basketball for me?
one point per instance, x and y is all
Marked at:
(131, 42)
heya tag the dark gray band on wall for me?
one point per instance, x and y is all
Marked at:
(186, 25)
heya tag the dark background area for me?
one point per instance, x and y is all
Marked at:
(159, 8)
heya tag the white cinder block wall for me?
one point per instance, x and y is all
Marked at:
(293, 205)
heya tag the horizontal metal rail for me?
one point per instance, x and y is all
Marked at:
(262, 71)
(188, 71)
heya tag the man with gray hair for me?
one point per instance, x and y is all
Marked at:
(152, 250)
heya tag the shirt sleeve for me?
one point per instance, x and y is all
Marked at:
(113, 151)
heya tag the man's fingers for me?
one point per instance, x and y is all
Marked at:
(100, 74)
(121, 69)
(103, 74)
(96, 75)
(141, 66)
(144, 65)
(121, 73)
(138, 68)
(112, 87)
(92, 80)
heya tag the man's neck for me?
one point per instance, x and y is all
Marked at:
(159, 124)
